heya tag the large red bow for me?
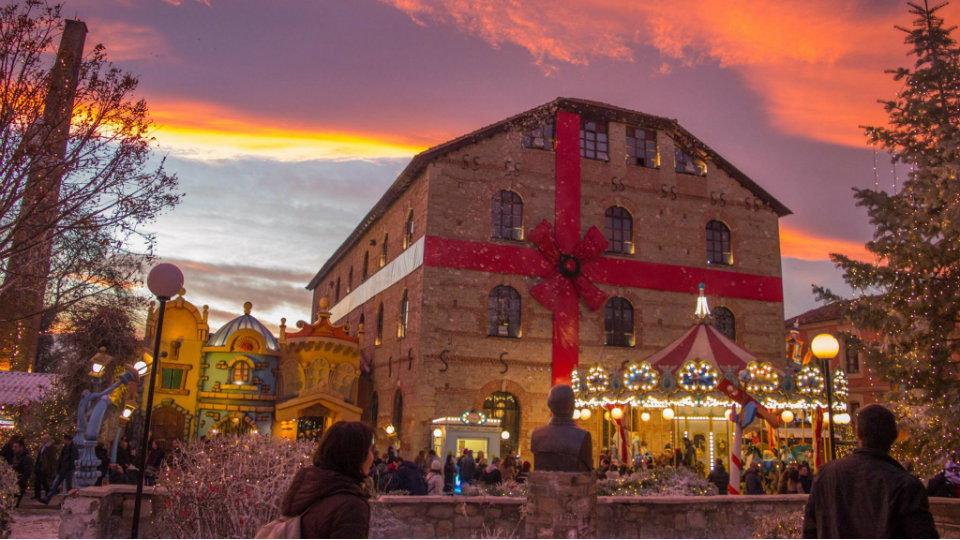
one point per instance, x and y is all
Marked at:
(569, 274)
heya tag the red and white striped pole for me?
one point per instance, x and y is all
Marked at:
(735, 464)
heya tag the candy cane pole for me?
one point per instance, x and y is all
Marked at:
(735, 465)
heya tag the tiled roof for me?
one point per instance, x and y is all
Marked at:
(829, 312)
(20, 387)
(246, 321)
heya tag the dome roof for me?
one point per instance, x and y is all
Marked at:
(245, 321)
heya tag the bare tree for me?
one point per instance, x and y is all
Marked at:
(71, 222)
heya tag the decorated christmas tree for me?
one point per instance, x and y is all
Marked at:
(910, 293)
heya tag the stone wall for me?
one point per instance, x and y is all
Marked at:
(105, 512)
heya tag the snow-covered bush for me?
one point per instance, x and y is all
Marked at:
(8, 493)
(226, 487)
(788, 525)
(664, 481)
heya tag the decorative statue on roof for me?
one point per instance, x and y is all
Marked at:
(561, 445)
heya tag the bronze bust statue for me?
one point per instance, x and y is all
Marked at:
(561, 445)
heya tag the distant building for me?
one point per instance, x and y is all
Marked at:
(242, 379)
(864, 383)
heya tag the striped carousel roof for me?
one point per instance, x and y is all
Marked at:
(705, 343)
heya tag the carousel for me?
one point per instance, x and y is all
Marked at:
(671, 402)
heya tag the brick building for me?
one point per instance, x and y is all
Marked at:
(439, 272)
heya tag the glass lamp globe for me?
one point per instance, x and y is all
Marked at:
(787, 416)
(165, 280)
(825, 346)
(667, 414)
(585, 414)
(645, 416)
(504, 435)
(616, 413)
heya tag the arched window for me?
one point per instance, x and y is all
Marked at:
(507, 216)
(383, 251)
(240, 372)
(852, 358)
(724, 322)
(350, 280)
(618, 226)
(366, 265)
(337, 292)
(404, 316)
(504, 312)
(360, 323)
(718, 243)
(505, 407)
(379, 338)
(397, 411)
(618, 323)
(408, 231)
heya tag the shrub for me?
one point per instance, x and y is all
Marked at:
(779, 526)
(227, 487)
(8, 493)
(665, 481)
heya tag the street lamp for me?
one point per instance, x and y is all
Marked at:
(99, 362)
(164, 281)
(825, 347)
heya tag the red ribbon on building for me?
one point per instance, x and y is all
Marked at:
(571, 267)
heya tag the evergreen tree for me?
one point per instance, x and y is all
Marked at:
(911, 293)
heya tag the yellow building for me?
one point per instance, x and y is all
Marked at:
(319, 377)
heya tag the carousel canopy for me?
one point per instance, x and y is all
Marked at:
(702, 342)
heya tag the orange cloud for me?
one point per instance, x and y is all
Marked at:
(816, 66)
(207, 131)
(798, 244)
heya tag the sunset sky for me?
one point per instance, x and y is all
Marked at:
(287, 119)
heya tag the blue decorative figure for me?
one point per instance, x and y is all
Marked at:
(90, 415)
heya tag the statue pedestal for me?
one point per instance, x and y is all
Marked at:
(561, 505)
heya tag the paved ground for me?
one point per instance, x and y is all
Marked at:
(35, 520)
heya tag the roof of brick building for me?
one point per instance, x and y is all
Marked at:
(828, 312)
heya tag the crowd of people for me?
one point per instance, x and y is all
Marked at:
(51, 467)
(427, 474)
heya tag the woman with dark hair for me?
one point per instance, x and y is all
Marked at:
(329, 495)
(449, 474)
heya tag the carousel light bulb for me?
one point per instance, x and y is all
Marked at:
(787, 416)
(438, 432)
(667, 414)
(576, 414)
(616, 413)
(585, 414)
(645, 416)
(504, 435)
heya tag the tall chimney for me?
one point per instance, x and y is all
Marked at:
(24, 288)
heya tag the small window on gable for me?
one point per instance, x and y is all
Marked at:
(618, 323)
(504, 312)
(686, 163)
(718, 243)
(507, 216)
(618, 226)
(593, 140)
(408, 231)
(404, 316)
(383, 252)
(642, 147)
(379, 337)
(240, 372)
(542, 137)
(852, 359)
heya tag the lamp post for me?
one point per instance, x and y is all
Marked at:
(164, 281)
(825, 347)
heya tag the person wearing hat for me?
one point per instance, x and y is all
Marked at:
(435, 478)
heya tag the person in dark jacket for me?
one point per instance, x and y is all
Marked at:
(22, 464)
(449, 474)
(66, 464)
(104, 456)
(946, 483)
(868, 494)
(468, 467)
(45, 466)
(806, 479)
(719, 477)
(329, 496)
(124, 455)
(752, 481)
(492, 475)
(408, 474)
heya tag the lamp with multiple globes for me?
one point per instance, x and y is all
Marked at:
(99, 362)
